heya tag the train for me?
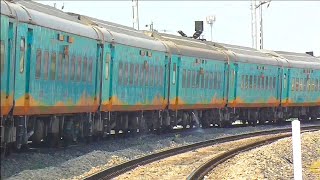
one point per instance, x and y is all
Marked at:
(69, 76)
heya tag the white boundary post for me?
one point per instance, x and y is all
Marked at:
(296, 149)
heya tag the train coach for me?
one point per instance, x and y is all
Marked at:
(65, 75)
(300, 87)
(51, 71)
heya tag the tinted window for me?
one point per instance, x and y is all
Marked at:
(53, 66)
(188, 78)
(73, 68)
(2, 53)
(60, 66)
(120, 73)
(38, 64)
(84, 71)
(142, 75)
(22, 53)
(126, 71)
(46, 65)
(90, 70)
(66, 67)
(131, 74)
(184, 74)
(78, 75)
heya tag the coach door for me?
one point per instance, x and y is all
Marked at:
(233, 79)
(7, 62)
(97, 74)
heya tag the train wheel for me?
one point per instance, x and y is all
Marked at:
(184, 120)
(38, 132)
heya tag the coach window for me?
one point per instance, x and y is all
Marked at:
(66, 67)
(206, 81)
(90, 70)
(211, 80)
(46, 64)
(201, 75)
(188, 79)
(270, 82)
(254, 82)
(161, 76)
(141, 74)
(84, 71)
(316, 85)
(2, 51)
(184, 73)
(267, 83)
(174, 73)
(147, 76)
(38, 64)
(22, 53)
(293, 84)
(259, 82)
(78, 74)
(250, 82)
(131, 74)
(120, 73)
(136, 74)
(214, 80)
(274, 82)
(152, 79)
(126, 71)
(219, 80)
(73, 68)
(60, 66)
(297, 84)
(107, 70)
(262, 82)
(301, 84)
(246, 81)
(242, 82)
(53, 66)
(194, 79)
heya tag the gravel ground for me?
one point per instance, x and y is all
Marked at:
(181, 165)
(273, 161)
(78, 161)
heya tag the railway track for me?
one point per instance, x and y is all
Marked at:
(201, 171)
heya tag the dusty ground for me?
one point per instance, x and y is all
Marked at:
(273, 161)
(180, 166)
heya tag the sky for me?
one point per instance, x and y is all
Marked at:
(288, 25)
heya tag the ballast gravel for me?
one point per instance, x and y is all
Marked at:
(273, 161)
(78, 162)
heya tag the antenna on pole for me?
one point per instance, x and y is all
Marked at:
(210, 20)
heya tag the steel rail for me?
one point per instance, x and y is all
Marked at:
(208, 166)
(129, 165)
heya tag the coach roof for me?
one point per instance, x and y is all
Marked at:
(38, 14)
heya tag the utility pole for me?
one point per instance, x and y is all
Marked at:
(254, 23)
(135, 14)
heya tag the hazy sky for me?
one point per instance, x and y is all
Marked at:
(288, 25)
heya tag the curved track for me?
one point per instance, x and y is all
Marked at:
(122, 168)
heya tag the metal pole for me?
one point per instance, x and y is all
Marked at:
(211, 31)
(261, 28)
(132, 14)
(138, 13)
